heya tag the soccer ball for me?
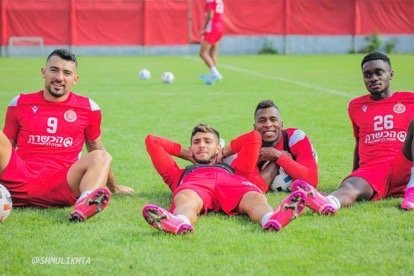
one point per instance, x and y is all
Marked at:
(144, 74)
(5, 203)
(167, 77)
(282, 182)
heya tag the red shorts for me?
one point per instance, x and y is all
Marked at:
(47, 189)
(214, 35)
(387, 179)
(219, 189)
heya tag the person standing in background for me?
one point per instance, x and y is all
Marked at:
(211, 34)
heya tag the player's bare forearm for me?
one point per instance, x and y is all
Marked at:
(356, 157)
(269, 172)
(226, 151)
(269, 154)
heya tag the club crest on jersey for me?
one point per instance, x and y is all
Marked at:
(35, 108)
(399, 108)
(70, 116)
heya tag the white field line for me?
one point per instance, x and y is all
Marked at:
(295, 82)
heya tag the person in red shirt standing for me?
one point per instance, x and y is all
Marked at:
(42, 140)
(383, 128)
(209, 185)
(211, 34)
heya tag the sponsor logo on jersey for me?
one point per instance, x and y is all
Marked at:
(50, 141)
(385, 136)
(35, 108)
(70, 116)
(401, 136)
(364, 108)
(247, 183)
(399, 108)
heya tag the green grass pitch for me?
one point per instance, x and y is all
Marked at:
(312, 93)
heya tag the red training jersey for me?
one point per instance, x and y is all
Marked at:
(303, 162)
(380, 126)
(51, 135)
(162, 150)
(217, 7)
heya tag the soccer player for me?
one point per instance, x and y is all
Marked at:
(211, 34)
(42, 140)
(383, 146)
(288, 149)
(209, 185)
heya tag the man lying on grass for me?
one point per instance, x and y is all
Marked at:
(209, 185)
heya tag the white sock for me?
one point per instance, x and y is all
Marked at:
(214, 70)
(265, 218)
(334, 201)
(184, 218)
(83, 195)
(411, 181)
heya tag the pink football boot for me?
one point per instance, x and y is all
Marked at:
(161, 219)
(291, 207)
(92, 204)
(316, 201)
(408, 203)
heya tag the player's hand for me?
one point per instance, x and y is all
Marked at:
(121, 189)
(269, 153)
(186, 154)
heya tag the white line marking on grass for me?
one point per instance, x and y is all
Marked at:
(299, 83)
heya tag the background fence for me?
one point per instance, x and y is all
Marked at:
(154, 23)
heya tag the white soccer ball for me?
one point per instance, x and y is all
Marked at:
(5, 203)
(167, 77)
(144, 74)
(282, 182)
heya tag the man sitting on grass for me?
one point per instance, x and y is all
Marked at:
(43, 137)
(384, 148)
(209, 185)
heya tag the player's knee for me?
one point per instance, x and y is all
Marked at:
(101, 156)
(355, 191)
(182, 197)
(188, 198)
(253, 203)
(251, 199)
(203, 53)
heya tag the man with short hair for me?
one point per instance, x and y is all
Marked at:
(209, 185)
(383, 155)
(287, 152)
(42, 141)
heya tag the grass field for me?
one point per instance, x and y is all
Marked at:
(312, 93)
